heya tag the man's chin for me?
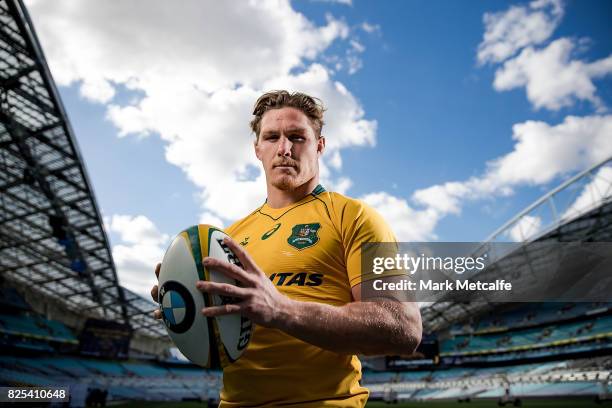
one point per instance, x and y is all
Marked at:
(286, 183)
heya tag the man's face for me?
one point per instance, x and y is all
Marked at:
(288, 148)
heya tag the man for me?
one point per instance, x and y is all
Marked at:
(301, 275)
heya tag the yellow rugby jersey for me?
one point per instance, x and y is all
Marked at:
(311, 252)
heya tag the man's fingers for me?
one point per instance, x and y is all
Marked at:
(244, 257)
(157, 314)
(154, 293)
(213, 311)
(227, 268)
(223, 289)
(155, 289)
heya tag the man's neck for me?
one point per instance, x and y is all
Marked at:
(282, 198)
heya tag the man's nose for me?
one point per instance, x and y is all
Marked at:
(284, 147)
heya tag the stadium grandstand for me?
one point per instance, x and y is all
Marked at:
(513, 352)
(65, 320)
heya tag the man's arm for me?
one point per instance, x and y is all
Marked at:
(383, 326)
(372, 328)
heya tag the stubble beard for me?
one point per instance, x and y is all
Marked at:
(286, 183)
(291, 182)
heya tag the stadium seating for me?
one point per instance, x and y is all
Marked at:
(145, 370)
(526, 380)
(379, 377)
(36, 327)
(104, 367)
(528, 332)
(530, 315)
(545, 336)
(186, 372)
(59, 330)
(10, 299)
(517, 334)
(123, 380)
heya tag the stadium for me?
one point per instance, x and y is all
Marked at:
(65, 320)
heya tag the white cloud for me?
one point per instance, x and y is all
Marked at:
(97, 90)
(199, 68)
(370, 28)
(335, 160)
(541, 153)
(211, 219)
(340, 184)
(210, 45)
(357, 46)
(407, 223)
(445, 198)
(353, 59)
(354, 64)
(520, 26)
(136, 230)
(525, 228)
(552, 79)
(592, 194)
(136, 266)
(142, 246)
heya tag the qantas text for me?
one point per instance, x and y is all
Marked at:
(298, 279)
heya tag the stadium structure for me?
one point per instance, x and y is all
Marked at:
(65, 320)
(513, 352)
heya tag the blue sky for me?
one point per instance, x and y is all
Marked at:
(448, 117)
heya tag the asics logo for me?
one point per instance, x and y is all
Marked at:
(270, 232)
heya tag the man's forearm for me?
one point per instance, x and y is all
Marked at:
(370, 328)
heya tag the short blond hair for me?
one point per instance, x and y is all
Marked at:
(309, 105)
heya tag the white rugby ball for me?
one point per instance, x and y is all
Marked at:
(209, 342)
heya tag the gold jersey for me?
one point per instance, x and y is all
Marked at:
(311, 252)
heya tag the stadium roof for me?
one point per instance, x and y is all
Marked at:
(578, 210)
(51, 233)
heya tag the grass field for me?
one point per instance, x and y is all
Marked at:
(533, 403)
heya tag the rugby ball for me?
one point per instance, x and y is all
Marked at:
(209, 342)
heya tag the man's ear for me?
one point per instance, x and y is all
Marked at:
(256, 148)
(321, 145)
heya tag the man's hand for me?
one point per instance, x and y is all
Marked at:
(372, 327)
(260, 301)
(154, 292)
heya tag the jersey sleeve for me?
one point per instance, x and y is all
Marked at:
(360, 223)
